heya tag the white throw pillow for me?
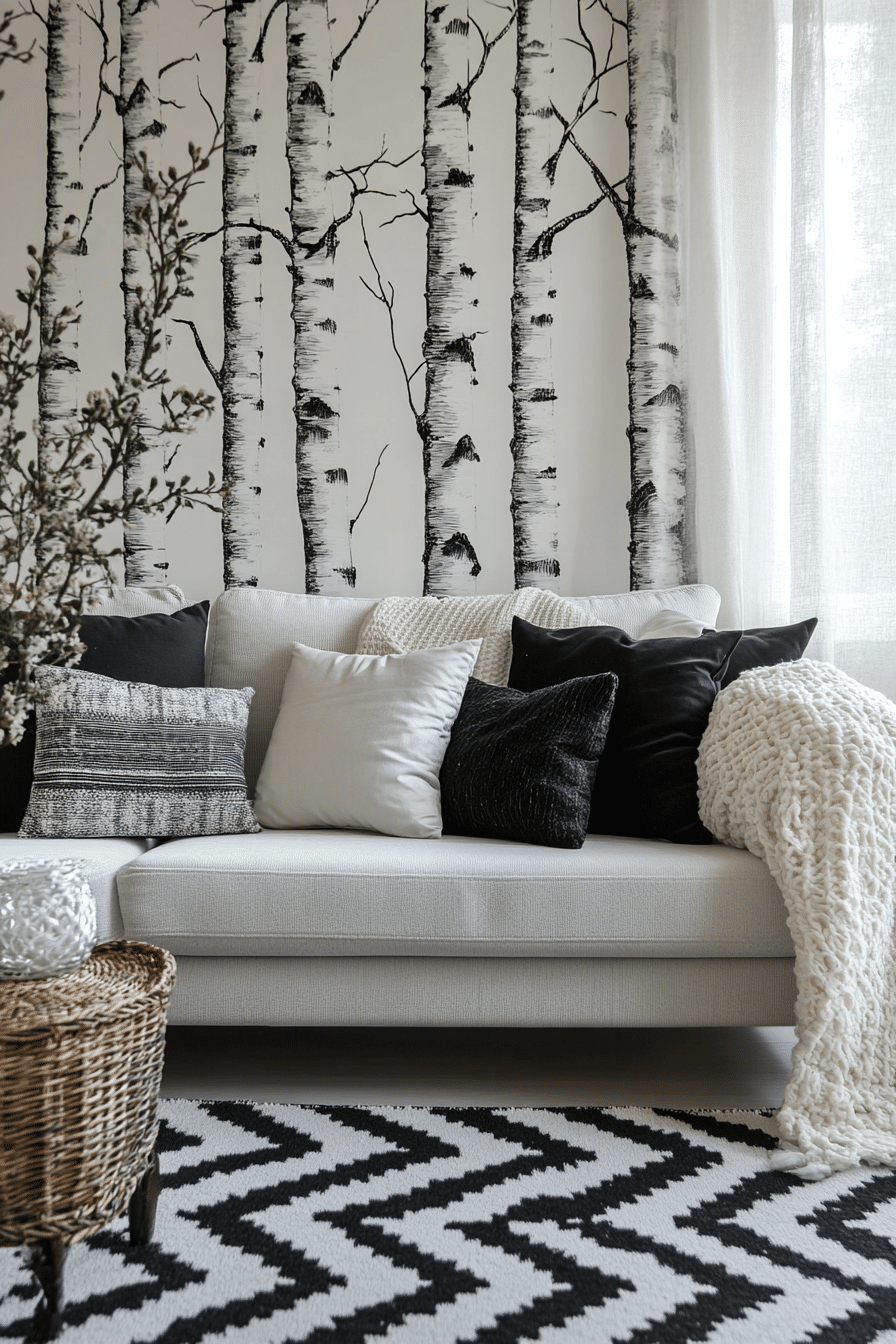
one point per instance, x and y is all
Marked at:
(672, 625)
(360, 738)
(121, 601)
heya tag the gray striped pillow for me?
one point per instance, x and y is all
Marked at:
(126, 758)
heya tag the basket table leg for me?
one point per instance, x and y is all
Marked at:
(46, 1261)
(142, 1208)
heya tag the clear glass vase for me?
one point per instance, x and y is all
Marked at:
(47, 918)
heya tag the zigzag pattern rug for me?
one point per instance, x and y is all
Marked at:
(430, 1225)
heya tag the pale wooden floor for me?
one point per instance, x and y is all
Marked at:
(720, 1067)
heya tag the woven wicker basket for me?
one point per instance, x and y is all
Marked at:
(80, 1065)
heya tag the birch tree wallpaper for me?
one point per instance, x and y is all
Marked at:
(421, 254)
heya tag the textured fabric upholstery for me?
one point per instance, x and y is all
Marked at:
(251, 632)
(352, 893)
(121, 601)
(521, 767)
(102, 860)
(483, 992)
(121, 758)
(360, 740)
(631, 612)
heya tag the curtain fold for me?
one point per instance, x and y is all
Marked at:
(788, 249)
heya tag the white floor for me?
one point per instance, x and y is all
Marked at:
(717, 1068)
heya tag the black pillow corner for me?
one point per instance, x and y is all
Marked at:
(521, 766)
(767, 646)
(646, 782)
(161, 648)
(16, 777)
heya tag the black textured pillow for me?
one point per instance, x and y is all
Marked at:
(646, 782)
(768, 646)
(162, 648)
(521, 767)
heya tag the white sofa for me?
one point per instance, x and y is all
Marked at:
(337, 927)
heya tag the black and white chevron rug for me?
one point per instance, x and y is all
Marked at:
(424, 1225)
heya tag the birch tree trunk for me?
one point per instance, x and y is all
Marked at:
(321, 478)
(533, 491)
(657, 508)
(450, 564)
(142, 128)
(57, 387)
(241, 393)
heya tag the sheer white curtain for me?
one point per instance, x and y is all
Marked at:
(789, 283)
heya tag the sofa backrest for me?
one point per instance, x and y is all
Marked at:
(251, 631)
(250, 636)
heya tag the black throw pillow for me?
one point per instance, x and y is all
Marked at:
(769, 645)
(646, 782)
(521, 767)
(162, 648)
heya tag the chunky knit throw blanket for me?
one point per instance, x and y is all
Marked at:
(400, 624)
(798, 765)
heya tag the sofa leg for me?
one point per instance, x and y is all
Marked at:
(46, 1260)
(142, 1208)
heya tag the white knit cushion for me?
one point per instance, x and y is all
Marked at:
(359, 740)
(401, 624)
(121, 601)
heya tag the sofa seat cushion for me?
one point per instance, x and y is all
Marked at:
(101, 858)
(345, 893)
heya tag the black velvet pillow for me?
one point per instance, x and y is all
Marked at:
(768, 646)
(521, 767)
(162, 648)
(646, 782)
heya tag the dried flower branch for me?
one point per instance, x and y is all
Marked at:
(61, 495)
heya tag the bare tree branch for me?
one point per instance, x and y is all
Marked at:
(258, 53)
(82, 243)
(389, 301)
(607, 10)
(215, 373)
(211, 110)
(590, 98)
(212, 11)
(180, 60)
(358, 186)
(245, 224)
(618, 204)
(369, 7)
(32, 11)
(544, 243)
(408, 214)
(380, 159)
(352, 521)
(99, 22)
(461, 96)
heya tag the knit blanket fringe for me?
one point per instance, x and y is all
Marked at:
(798, 765)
